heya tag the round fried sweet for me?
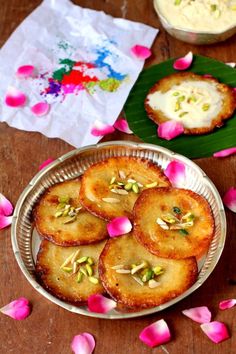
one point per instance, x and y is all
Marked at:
(176, 277)
(110, 188)
(173, 223)
(60, 280)
(60, 218)
(200, 103)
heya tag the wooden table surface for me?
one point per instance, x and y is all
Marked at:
(49, 328)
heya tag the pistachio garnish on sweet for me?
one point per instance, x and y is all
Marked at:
(81, 267)
(65, 209)
(178, 221)
(142, 273)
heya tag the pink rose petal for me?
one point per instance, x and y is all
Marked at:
(227, 304)
(100, 304)
(216, 331)
(229, 199)
(40, 109)
(6, 208)
(175, 171)
(170, 129)
(155, 334)
(119, 226)
(100, 129)
(122, 125)
(226, 152)
(141, 52)
(25, 71)
(83, 343)
(184, 62)
(15, 98)
(45, 163)
(18, 309)
(199, 314)
(234, 89)
(5, 221)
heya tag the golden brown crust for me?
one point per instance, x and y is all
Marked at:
(171, 243)
(61, 284)
(178, 276)
(165, 84)
(86, 229)
(96, 182)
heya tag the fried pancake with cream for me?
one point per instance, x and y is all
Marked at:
(60, 218)
(154, 280)
(173, 223)
(69, 273)
(110, 188)
(200, 103)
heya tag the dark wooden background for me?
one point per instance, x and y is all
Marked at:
(50, 329)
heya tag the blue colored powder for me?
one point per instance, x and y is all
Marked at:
(99, 62)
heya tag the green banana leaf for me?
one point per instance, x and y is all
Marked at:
(190, 146)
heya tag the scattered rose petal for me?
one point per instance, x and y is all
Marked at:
(184, 62)
(141, 52)
(226, 152)
(170, 129)
(100, 129)
(155, 334)
(216, 331)
(25, 71)
(122, 125)
(83, 343)
(227, 304)
(18, 309)
(229, 199)
(199, 314)
(234, 89)
(100, 304)
(119, 226)
(5, 221)
(45, 163)
(6, 208)
(175, 171)
(15, 98)
(40, 109)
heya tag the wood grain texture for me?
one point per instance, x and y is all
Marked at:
(50, 329)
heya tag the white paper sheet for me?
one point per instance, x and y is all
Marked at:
(59, 30)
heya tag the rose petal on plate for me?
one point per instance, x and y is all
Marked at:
(18, 309)
(119, 226)
(100, 129)
(40, 109)
(184, 62)
(25, 71)
(225, 152)
(141, 52)
(229, 199)
(175, 171)
(100, 304)
(5, 221)
(170, 129)
(14, 97)
(45, 163)
(199, 314)
(234, 89)
(6, 208)
(227, 304)
(155, 334)
(122, 125)
(83, 343)
(216, 331)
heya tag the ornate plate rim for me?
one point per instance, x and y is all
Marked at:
(80, 310)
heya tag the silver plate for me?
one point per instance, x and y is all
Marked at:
(25, 240)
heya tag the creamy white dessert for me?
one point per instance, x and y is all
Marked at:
(199, 15)
(193, 103)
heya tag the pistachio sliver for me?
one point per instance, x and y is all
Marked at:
(205, 107)
(148, 275)
(83, 271)
(64, 199)
(158, 270)
(58, 214)
(138, 267)
(82, 259)
(128, 186)
(135, 188)
(151, 185)
(67, 269)
(79, 277)
(90, 261)
(93, 280)
(113, 179)
(89, 269)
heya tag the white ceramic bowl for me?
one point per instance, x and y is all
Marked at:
(194, 37)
